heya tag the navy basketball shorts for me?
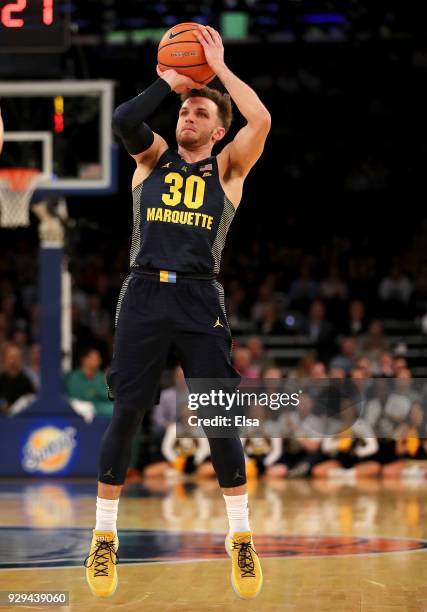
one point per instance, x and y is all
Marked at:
(159, 312)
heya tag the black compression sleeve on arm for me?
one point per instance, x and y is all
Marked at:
(128, 118)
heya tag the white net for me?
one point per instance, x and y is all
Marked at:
(17, 186)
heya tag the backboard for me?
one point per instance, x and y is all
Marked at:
(62, 128)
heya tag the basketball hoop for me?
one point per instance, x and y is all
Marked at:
(17, 186)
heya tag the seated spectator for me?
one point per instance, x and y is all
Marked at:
(347, 358)
(337, 373)
(260, 454)
(164, 413)
(399, 364)
(350, 445)
(303, 367)
(400, 400)
(410, 444)
(87, 383)
(318, 371)
(383, 366)
(265, 296)
(242, 361)
(302, 433)
(14, 383)
(259, 360)
(395, 291)
(270, 323)
(319, 330)
(235, 318)
(333, 287)
(183, 455)
(354, 324)
(32, 365)
(364, 364)
(374, 342)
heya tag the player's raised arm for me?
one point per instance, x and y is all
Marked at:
(144, 145)
(248, 144)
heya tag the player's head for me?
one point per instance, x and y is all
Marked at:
(204, 117)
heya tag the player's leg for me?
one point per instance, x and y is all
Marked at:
(140, 350)
(208, 356)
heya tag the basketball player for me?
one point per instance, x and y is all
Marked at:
(184, 202)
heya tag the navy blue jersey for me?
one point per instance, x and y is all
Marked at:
(181, 216)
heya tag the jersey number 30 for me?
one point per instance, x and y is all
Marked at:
(194, 190)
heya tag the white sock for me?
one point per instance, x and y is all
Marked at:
(106, 514)
(237, 512)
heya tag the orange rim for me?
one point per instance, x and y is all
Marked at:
(18, 179)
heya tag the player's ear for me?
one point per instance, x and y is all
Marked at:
(219, 133)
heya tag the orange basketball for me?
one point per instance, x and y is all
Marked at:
(179, 49)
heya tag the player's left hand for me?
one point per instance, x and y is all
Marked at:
(211, 41)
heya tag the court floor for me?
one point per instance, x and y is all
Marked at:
(325, 546)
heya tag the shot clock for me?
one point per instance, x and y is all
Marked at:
(33, 26)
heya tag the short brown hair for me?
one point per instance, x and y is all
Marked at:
(222, 100)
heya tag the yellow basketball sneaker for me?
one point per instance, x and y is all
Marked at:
(246, 572)
(101, 571)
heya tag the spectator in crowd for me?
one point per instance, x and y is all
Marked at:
(410, 443)
(333, 287)
(242, 361)
(399, 364)
(350, 445)
(14, 383)
(383, 367)
(347, 357)
(319, 329)
(265, 298)
(32, 365)
(402, 397)
(260, 454)
(303, 367)
(270, 323)
(164, 413)
(88, 384)
(364, 364)
(354, 324)
(395, 292)
(258, 358)
(374, 342)
(183, 455)
(318, 371)
(337, 373)
(302, 435)
(236, 319)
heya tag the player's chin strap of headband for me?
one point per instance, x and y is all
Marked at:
(128, 118)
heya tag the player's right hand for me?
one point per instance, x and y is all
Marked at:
(178, 82)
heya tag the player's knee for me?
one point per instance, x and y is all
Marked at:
(125, 421)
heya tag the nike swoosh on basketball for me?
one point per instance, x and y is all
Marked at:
(172, 35)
